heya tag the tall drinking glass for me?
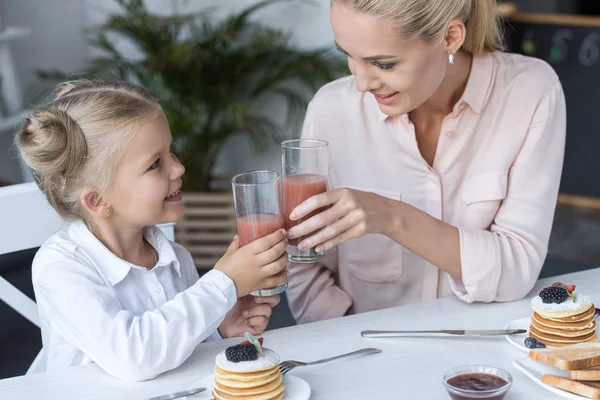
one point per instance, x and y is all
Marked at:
(256, 195)
(305, 164)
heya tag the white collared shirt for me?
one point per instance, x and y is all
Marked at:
(133, 322)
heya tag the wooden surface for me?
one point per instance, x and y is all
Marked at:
(555, 19)
(579, 201)
(408, 368)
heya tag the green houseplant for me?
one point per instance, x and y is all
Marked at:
(213, 76)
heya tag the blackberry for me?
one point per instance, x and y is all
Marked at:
(555, 294)
(241, 352)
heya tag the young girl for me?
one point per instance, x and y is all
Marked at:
(112, 289)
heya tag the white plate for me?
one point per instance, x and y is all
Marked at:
(534, 371)
(519, 340)
(295, 388)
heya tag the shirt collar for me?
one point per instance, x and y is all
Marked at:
(479, 85)
(476, 94)
(115, 268)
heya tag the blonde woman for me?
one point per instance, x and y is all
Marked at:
(446, 155)
(111, 289)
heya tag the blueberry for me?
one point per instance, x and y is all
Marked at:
(540, 345)
(530, 343)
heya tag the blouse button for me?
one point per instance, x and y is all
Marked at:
(458, 109)
(450, 134)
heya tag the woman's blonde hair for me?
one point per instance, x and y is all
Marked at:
(77, 140)
(427, 20)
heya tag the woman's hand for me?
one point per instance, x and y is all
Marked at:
(250, 314)
(350, 214)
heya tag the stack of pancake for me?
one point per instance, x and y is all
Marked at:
(563, 324)
(258, 379)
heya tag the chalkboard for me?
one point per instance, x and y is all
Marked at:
(572, 48)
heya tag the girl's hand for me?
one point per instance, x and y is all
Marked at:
(260, 264)
(250, 314)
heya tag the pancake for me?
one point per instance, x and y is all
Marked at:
(572, 333)
(265, 388)
(273, 394)
(267, 361)
(258, 379)
(563, 325)
(588, 314)
(551, 344)
(244, 376)
(234, 383)
(218, 397)
(546, 337)
(567, 308)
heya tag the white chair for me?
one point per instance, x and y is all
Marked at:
(26, 221)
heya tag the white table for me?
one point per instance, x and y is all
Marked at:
(407, 368)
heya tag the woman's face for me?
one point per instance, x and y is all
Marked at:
(401, 74)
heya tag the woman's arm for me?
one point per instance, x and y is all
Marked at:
(500, 264)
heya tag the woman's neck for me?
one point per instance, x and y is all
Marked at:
(450, 91)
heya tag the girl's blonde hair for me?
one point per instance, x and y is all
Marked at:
(427, 20)
(77, 140)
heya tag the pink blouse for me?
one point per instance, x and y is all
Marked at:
(495, 177)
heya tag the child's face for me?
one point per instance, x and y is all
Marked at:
(147, 182)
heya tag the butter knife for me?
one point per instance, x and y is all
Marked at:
(447, 332)
(177, 395)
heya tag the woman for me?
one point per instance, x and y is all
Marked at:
(445, 155)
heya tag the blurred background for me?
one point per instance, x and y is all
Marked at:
(235, 77)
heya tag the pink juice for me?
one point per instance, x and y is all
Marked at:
(256, 226)
(297, 189)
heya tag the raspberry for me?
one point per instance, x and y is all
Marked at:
(570, 288)
(260, 340)
(241, 352)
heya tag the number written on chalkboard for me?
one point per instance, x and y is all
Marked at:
(560, 46)
(589, 52)
(528, 43)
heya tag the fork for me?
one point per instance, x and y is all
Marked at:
(287, 366)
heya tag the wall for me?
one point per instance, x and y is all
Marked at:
(55, 42)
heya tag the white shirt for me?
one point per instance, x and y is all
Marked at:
(133, 322)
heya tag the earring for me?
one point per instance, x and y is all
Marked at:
(108, 210)
(451, 59)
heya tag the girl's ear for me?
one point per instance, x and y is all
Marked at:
(94, 203)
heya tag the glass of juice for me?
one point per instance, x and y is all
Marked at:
(256, 195)
(305, 165)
